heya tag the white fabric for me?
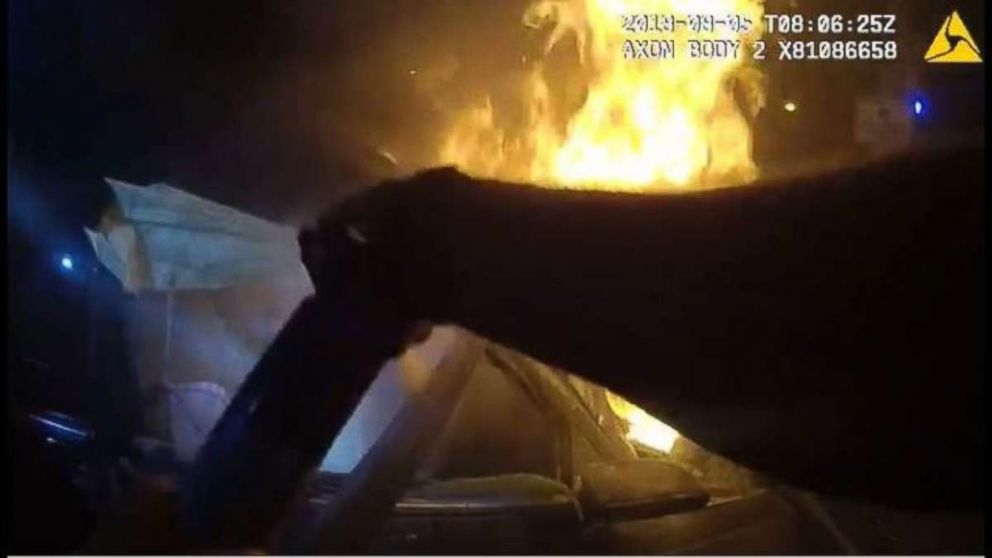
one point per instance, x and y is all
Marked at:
(194, 408)
(171, 239)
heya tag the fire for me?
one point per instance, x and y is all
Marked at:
(643, 428)
(644, 125)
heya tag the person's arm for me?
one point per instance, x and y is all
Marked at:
(826, 330)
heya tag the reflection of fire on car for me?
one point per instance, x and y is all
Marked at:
(532, 460)
(529, 459)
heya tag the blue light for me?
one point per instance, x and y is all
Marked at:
(56, 430)
(918, 107)
(66, 263)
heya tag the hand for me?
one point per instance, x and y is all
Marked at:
(381, 243)
(375, 222)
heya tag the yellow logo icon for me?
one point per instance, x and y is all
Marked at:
(953, 43)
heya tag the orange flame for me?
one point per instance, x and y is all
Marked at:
(642, 428)
(644, 125)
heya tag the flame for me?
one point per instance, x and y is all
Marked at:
(644, 124)
(643, 428)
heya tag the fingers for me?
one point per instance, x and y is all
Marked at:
(387, 241)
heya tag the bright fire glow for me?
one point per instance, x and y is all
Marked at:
(642, 427)
(644, 125)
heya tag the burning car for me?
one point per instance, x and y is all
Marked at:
(460, 445)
